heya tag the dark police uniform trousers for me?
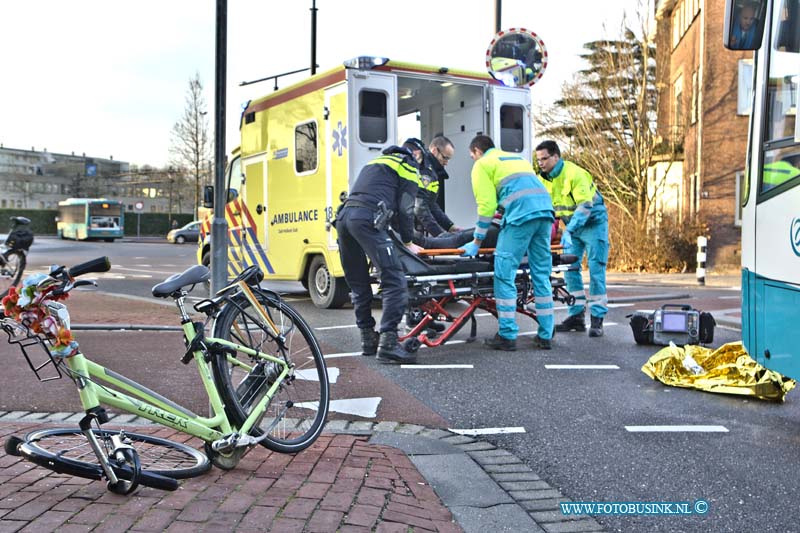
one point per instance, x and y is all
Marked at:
(358, 239)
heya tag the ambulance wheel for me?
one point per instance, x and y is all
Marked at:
(411, 345)
(327, 291)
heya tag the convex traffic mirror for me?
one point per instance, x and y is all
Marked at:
(516, 57)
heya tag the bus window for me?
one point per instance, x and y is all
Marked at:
(782, 154)
(787, 36)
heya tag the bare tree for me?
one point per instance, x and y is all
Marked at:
(610, 125)
(191, 148)
(607, 120)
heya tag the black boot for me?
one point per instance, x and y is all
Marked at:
(542, 344)
(390, 351)
(596, 330)
(369, 341)
(501, 343)
(572, 323)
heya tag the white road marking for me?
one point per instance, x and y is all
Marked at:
(581, 367)
(310, 374)
(366, 407)
(342, 354)
(428, 367)
(729, 297)
(619, 305)
(168, 273)
(488, 431)
(677, 429)
(335, 327)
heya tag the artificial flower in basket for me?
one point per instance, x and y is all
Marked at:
(27, 304)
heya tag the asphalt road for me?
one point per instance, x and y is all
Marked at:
(574, 422)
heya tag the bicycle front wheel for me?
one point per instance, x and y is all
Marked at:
(13, 265)
(295, 416)
(66, 450)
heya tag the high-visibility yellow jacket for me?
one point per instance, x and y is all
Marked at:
(507, 180)
(576, 199)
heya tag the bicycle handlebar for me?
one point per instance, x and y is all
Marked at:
(101, 264)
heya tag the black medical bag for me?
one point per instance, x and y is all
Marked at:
(678, 323)
(20, 239)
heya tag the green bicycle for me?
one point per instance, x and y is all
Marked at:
(262, 369)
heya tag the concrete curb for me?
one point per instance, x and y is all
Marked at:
(485, 488)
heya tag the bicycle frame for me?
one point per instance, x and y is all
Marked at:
(135, 398)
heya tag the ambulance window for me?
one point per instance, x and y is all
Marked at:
(372, 119)
(305, 147)
(511, 139)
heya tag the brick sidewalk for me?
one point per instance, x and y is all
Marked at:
(341, 483)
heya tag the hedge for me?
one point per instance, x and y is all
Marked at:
(43, 222)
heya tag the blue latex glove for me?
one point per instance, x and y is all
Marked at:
(470, 249)
(566, 240)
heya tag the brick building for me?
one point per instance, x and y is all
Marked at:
(704, 92)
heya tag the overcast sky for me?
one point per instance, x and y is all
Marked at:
(109, 78)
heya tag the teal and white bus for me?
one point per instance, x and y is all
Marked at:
(771, 195)
(90, 218)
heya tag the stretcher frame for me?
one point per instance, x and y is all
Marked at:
(429, 294)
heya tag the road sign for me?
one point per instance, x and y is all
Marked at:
(138, 206)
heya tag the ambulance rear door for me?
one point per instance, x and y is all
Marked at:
(510, 119)
(337, 152)
(372, 116)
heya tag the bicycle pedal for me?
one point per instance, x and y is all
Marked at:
(225, 444)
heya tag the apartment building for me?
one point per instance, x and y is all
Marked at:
(704, 91)
(33, 179)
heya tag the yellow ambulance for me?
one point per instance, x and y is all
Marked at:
(302, 147)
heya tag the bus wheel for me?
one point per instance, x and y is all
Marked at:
(327, 292)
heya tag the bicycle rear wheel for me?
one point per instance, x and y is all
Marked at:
(67, 451)
(296, 415)
(11, 270)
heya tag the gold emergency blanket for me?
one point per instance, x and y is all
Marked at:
(727, 370)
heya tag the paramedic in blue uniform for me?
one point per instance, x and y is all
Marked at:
(580, 206)
(509, 180)
(391, 180)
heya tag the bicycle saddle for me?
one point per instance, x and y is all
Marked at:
(191, 276)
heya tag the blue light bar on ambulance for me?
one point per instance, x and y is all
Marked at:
(366, 62)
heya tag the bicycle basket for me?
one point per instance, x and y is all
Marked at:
(35, 349)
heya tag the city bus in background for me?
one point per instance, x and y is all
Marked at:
(770, 198)
(90, 218)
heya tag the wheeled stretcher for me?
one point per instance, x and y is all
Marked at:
(437, 280)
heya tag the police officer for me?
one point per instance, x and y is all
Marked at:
(509, 180)
(580, 206)
(432, 219)
(386, 185)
